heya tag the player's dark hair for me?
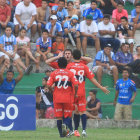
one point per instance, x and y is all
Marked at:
(70, 2)
(125, 18)
(93, 1)
(126, 69)
(22, 28)
(10, 71)
(62, 62)
(94, 91)
(45, 31)
(69, 50)
(46, 78)
(137, 4)
(76, 54)
(62, 1)
(127, 44)
(58, 35)
(8, 27)
(106, 16)
(120, 3)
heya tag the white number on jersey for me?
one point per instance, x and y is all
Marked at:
(80, 74)
(60, 78)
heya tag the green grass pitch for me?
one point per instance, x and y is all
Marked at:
(52, 134)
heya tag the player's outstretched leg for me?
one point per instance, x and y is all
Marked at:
(59, 126)
(76, 123)
(84, 122)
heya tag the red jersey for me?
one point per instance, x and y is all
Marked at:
(81, 71)
(55, 64)
(63, 80)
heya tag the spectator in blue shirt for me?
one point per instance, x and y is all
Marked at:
(60, 11)
(135, 17)
(43, 47)
(7, 85)
(125, 58)
(105, 63)
(94, 11)
(125, 88)
(73, 28)
(8, 46)
(53, 27)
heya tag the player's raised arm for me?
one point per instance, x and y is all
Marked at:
(48, 61)
(2, 71)
(19, 77)
(87, 59)
(104, 89)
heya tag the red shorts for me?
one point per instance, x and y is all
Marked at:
(80, 101)
(62, 110)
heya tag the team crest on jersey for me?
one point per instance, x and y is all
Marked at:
(120, 85)
(12, 86)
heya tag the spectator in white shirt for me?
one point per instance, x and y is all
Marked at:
(89, 30)
(107, 34)
(25, 14)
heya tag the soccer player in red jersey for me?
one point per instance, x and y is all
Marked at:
(68, 55)
(64, 81)
(81, 71)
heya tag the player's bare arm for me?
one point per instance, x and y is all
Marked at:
(48, 61)
(104, 89)
(19, 77)
(87, 59)
(133, 98)
(2, 71)
(116, 96)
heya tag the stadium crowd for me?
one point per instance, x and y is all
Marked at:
(100, 23)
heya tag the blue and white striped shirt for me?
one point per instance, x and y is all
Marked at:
(103, 58)
(8, 42)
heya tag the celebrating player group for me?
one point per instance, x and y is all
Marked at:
(69, 94)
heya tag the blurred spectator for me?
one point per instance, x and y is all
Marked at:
(46, 97)
(38, 100)
(43, 47)
(60, 11)
(53, 3)
(25, 14)
(136, 1)
(72, 27)
(43, 15)
(1, 57)
(94, 11)
(37, 2)
(48, 72)
(5, 15)
(89, 30)
(125, 33)
(7, 85)
(135, 17)
(23, 47)
(8, 46)
(118, 13)
(53, 27)
(105, 63)
(93, 106)
(107, 6)
(107, 34)
(124, 58)
(71, 10)
(13, 4)
(137, 56)
(58, 46)
(125, 88)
